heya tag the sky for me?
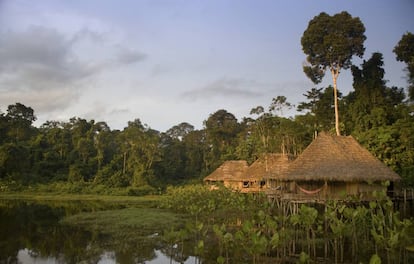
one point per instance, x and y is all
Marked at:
(171, 61)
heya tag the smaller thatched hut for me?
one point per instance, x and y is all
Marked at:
(262, 176)
(335, 167)
(264, 173)
(230, 174)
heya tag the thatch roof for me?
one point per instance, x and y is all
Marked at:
(229, 171)
(338, 158)
(271, 165)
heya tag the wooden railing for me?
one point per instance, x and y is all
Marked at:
(406, 194)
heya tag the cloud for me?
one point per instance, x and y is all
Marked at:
(100, 110)
(44, 100)
(227, 87)
(127, 56)
(86, 33)
(38, 54)
(159, 70)
(49, 70)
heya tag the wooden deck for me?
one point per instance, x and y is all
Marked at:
(289, 203)
(400, 196)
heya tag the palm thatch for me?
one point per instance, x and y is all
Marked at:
(338, 158)
(270, 165)
(232, 170)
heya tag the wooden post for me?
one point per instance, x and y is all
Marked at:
(326, 242)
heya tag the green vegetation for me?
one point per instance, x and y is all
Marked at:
(84, 160)
(331, 42)
(223, 226)
(85, 156)
(141, 201)
(405, 53)
(240, 228)
(79, 229)
(127, 222)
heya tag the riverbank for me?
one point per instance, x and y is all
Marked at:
(83, 228)
(38, 196)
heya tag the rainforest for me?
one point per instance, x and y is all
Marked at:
(77, 191)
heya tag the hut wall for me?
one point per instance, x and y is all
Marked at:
(330, 190)
(233, 184)
(278, 184)
(342, 190)
(336, 190)
(352, 188)
(363, 190)
(367, 190)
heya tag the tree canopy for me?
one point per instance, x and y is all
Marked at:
(142, 159)
(330, 42)
(405, 53)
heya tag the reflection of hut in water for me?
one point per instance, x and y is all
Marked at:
(334, 167)
(231, 174)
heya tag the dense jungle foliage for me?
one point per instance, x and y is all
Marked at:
(230, 227)
(85, 154)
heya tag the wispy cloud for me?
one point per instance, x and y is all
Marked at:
(125, 56)
(227, 88)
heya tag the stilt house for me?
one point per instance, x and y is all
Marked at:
(335, 167)
(331, 167)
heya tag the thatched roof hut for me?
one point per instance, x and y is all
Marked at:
(270, 165)
(230, 170)
(236, 174)
(331, 167)
(340, 159)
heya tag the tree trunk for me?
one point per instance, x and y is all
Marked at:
(335, 74)
(124, 163)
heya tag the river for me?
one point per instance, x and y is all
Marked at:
(32, 232)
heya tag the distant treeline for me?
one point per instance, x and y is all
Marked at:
(80, 150)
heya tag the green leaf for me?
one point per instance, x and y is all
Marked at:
(375, 259)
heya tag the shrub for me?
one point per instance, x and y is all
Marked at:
(140, 191)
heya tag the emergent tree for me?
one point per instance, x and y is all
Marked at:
(405, 53)
(330, 42)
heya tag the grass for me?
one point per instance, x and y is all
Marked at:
(143, 201)
(125, 219)
(63, 187)
(136, 222)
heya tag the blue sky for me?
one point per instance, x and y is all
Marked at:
(167, 62)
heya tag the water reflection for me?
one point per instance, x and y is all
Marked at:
(29, 257)
(30, 233)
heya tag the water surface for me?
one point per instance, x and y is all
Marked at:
(33, 232)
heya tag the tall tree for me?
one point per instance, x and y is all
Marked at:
(330, 42)
(140, 150)
(21, 112)
(262, 128)
(405, 53)
(319, 106)
(4, 127)
(195, 144)
(180, 131)
(172, 165)
(222, 128)
(21, 118)
(372, 104)
(279, 103)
